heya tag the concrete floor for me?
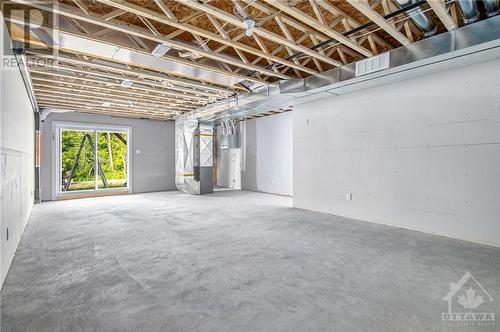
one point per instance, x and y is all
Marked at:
(231, 261)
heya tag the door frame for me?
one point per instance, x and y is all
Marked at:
(57, 126)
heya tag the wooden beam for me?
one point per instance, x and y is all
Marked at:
(290, 21)
(149, 25)
(365, 9)
(95, 109)
(112, 83)
(136, 76)
(438, 6)
(99, 101)
(288, 36)
(317, 12)
(350, 21)
(55, 90)
(93, 103)
(139, 42)
(80, 5)
(164, 8)
(236, 21)
(301, 16)
(121, 92)
(315, 36)
(221, 38)
(118, 94)
(115, 13)
(144, 33)
(408, 31)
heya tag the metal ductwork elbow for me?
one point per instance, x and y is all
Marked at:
(421, 19)
(491, 7)
(469, 10)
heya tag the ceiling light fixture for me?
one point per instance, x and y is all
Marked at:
(248, 21)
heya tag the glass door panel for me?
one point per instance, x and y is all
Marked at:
(113, 159)
(77, 160)
(91, 158)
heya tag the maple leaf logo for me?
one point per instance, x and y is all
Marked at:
(469, 300)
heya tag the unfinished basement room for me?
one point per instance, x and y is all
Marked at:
(250, 165)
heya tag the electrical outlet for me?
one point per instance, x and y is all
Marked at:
(348, 196)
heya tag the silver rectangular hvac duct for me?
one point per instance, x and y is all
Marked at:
(480, 36)
(125, 55)
(110, 51)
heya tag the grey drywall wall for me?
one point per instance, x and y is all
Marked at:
(152, 170)
(421, 154)
(266, 159)
(16, 160)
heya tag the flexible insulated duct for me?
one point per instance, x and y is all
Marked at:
(491, 7)
(421, 19)
(469, 10)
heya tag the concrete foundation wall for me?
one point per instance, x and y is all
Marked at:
(267, 154)
(421, 154)
(153, 169)
(16, 161)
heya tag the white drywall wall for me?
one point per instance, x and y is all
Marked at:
(266, 163)
(152, 170)
(421, 154)
(16, 159)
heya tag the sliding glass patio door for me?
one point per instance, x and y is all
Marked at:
(91, 158)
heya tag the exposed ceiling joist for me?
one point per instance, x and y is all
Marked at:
(92, 103)
(174, 83)
(165, 10)
(59, 90)
(62, 83)
(237, 22)
(351, 21)
(195, 73)
(103, 110)
(146, 34)
(208, 52)
(364, 7)
(314, 23)
(439, 8)
(114, 14)
(287, 20)
(75, 99)
(49, 72)
(164, 89)
(223, 38)
(82, 6)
